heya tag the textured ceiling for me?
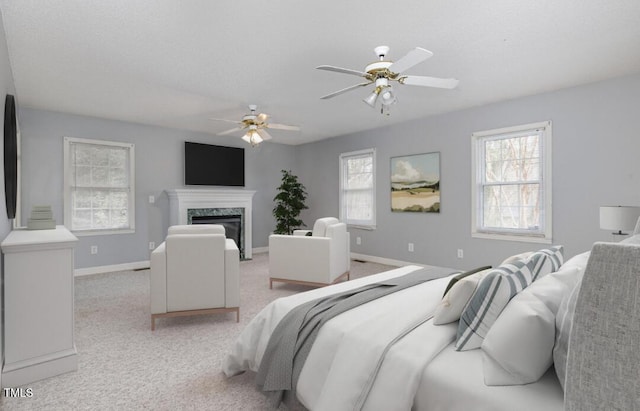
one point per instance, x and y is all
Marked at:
(177, 63)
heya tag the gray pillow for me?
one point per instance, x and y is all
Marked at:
(547, 260)
(493, 293)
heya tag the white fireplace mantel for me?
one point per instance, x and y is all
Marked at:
(183, 199)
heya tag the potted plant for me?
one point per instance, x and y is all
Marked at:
(289, 203)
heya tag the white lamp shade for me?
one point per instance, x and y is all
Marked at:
(388, 96)
(252, 137)
(371, 99)
(619, 217)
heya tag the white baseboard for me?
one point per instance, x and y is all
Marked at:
(137, 265)
(381, 260)
(38, 368)
(356, 256)
(260, 250)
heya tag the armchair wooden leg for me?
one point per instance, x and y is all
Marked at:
(270, 284)
(195, 312)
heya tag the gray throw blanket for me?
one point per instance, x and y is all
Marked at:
(291, 340)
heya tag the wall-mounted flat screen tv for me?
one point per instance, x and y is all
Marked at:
(209, 165)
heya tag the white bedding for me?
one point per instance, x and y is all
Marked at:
(454, 381)
(353, 352)
(345, 364)
(248, 349)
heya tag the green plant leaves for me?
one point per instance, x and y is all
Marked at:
(290, 201)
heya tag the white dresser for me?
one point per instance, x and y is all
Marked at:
(38, 305)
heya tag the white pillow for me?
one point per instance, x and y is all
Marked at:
(457, 298)
(579, 261)
(518, 349)
(564, 316)
(634, 239)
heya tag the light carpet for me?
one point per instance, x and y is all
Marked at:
(123, 365)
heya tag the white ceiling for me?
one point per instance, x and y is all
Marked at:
(176, 63)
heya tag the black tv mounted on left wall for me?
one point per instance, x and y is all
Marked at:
(10, 156)
(210, 165)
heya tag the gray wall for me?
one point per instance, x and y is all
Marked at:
(6, 87)
(595, 145)
(159, 166)
(596, 141)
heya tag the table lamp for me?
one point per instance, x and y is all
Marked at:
(619, 218)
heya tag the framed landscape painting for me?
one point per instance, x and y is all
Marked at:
(415, 183)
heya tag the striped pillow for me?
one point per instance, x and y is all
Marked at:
(548, 261)
(492, 295)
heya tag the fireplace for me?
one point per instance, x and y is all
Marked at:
(232, 222)
(232, 226)
(215, 206)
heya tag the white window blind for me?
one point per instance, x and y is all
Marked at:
(357, 188)
(512, 189)
(99, 186)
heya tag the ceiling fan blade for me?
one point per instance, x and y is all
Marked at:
(263, 133)
(230, 131)
(224, 119)
(262, 117)
(344, 90)
(429, 81)
(343, 70)
(283, 127)
(412, 58)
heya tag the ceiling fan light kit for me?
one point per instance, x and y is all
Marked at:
(383, 71)
(252, 137)
(256, 126)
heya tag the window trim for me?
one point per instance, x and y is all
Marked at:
(362, 224)
(67, 187)
(546, 179)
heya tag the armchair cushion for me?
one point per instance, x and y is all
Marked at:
(302, 232)
(197, 229)
(321, 224)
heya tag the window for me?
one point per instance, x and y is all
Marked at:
(512, 183)
(99, 186)
(358, 188)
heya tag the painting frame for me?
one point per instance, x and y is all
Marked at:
(415, 183)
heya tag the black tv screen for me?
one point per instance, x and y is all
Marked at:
(209, 165)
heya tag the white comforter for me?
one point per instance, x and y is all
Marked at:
(355, 362)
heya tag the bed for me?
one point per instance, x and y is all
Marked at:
(358, 361)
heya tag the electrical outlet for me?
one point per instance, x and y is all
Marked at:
(460, 253)
(152, 245)
(94, 249)
(410, 247)
(358, 240)
(152, 199)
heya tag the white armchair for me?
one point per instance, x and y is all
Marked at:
(195, 271)
(320, 259)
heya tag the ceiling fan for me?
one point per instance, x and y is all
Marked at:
(382, 72)
(256, 125)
